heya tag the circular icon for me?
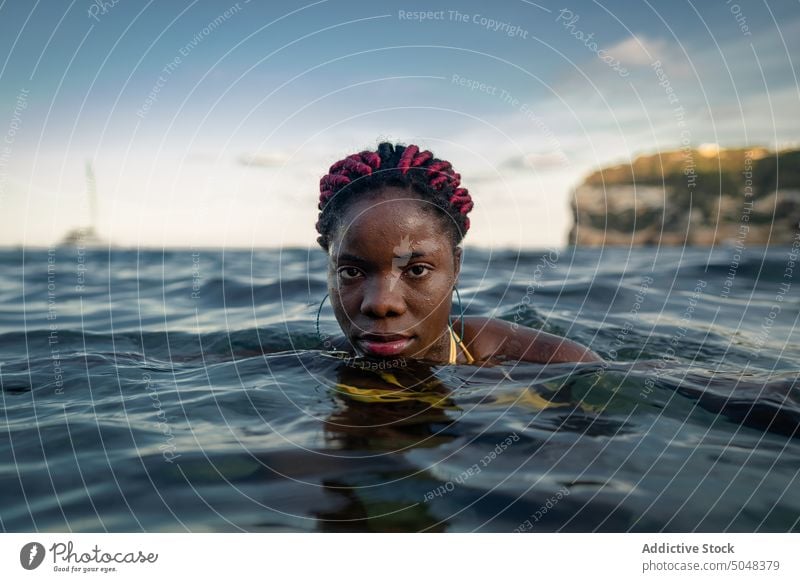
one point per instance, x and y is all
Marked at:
(31, 555)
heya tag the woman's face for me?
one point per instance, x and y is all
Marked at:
(391, 273)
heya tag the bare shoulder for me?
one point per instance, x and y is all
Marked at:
(487, 338)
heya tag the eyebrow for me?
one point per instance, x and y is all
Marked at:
(357, 259)
(349, 257)
(412, 255)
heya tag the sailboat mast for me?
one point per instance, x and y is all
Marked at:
(91, 194)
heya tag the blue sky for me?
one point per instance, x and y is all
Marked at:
(168, 99)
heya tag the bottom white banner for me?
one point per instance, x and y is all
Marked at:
(353, 557)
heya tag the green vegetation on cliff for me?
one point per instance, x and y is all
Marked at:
(691, 196)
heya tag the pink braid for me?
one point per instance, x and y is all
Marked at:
(413, 158)
(344, 171)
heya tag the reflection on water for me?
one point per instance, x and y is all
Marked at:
(144, 408)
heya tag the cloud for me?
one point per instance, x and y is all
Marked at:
(537, 161)
(272, 160)
(639, 51)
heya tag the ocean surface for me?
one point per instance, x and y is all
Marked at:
(186, 390)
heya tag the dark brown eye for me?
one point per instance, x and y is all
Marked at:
(348, 273)
(418, 271)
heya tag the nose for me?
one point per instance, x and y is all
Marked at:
(383, 297)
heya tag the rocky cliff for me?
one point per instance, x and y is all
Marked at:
(692, 196)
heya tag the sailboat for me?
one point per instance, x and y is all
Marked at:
(86, 236)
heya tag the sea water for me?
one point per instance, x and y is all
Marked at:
(188, 390)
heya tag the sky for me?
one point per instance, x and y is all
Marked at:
(210, 123)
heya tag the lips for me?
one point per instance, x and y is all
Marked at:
(383, 345)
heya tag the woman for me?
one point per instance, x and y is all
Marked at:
(391, 221)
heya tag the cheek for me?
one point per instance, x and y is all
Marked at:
(344, 301)
(433, 298)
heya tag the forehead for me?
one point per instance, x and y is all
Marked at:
(393, 221)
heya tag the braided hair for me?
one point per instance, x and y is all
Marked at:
(393, 165)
